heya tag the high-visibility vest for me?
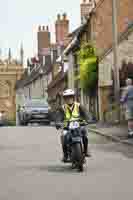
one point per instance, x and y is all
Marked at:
(71, 113)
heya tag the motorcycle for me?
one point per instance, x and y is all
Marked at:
(75, 149)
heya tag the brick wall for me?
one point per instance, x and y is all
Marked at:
(102, 21)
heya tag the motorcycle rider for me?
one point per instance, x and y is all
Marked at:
(72, 110)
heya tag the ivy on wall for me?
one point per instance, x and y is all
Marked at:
(88, 63)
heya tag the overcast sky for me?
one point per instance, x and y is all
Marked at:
(19, 20)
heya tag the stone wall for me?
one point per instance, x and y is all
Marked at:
(9, 74)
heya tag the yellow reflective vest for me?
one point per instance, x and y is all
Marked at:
(71, 113)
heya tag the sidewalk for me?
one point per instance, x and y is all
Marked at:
(117, 133)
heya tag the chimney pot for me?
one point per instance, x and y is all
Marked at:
(43, 28)
(47, 28)
(64, 16)
(39, 28)
(58, 17)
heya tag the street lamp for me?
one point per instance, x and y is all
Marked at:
(115, 53)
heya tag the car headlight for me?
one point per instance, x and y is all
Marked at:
(49, 107)
(22, 109)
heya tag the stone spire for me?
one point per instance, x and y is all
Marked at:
(9, 56)
(21, 54)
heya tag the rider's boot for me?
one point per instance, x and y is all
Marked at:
(65, 158)
(86, 151)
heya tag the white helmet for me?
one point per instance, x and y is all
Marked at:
(68, 92)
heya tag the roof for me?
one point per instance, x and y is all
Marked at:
(28, 78)
(19, 83)
(75, 37)
(61, 75)
(75, 32)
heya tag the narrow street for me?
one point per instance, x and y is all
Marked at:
(30, 168)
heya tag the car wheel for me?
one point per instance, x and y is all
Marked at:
(25, 123)
(47, 123)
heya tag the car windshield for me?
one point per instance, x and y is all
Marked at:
(36, 104)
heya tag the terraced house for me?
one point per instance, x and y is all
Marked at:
(97, 27)
(101, 23)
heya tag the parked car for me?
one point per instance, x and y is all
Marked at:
(34, 111)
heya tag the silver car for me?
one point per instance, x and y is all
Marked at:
(34, 111)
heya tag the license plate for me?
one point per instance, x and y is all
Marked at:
(76, 139)
(39, 116)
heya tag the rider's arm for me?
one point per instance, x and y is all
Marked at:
(59, 115)
(84, 113)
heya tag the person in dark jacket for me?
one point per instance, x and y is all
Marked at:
(72, 110)
(127, 99)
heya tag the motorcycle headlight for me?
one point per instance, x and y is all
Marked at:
(74, 125)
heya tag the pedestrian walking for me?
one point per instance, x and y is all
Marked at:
(127, 99)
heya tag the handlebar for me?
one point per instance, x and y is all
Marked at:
(61, 124)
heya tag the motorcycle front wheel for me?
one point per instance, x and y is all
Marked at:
(77, 156)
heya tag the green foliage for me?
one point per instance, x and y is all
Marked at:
(87, 60)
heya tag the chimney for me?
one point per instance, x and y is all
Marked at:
(86, 7)
(61, 28)
(44, 41)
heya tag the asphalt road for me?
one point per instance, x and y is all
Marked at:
(30, 168)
